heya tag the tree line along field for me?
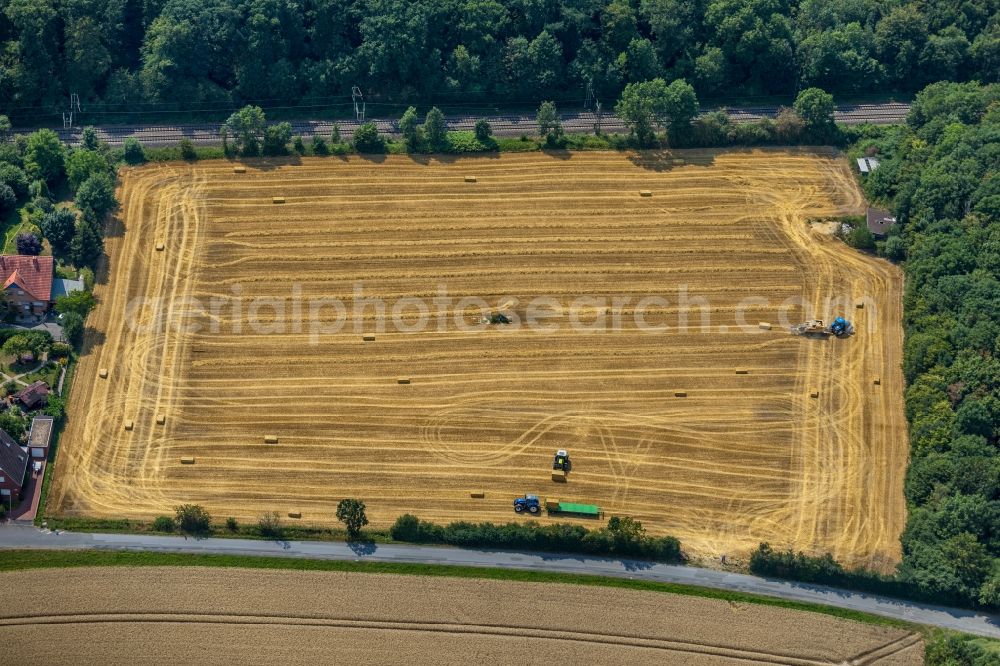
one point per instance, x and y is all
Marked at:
(302, 617)
(742, 458)
(223, 53)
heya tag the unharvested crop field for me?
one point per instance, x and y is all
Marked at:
(209, 616)
(739, 459)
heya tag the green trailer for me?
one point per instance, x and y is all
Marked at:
(572, 508)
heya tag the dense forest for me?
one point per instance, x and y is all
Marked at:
(186, 53)
(941, 173)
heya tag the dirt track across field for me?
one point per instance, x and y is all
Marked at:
(210, 615)
(236, 342)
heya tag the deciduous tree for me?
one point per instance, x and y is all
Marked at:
(435, 129)
(246, 130)
(45, 156)
(351, 512)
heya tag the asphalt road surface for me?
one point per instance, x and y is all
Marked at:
(973, 622)
(513, 125)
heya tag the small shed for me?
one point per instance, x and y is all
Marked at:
(879, 221)
(867, 164)
(63, 287)
(39, 436)
(33, 396)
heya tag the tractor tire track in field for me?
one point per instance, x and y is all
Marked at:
(741, 459)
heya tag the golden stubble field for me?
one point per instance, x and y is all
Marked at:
(223, 616)
(244, 289)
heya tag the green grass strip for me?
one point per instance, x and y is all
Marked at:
(12, 560)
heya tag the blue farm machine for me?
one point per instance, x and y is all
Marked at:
(840, 327)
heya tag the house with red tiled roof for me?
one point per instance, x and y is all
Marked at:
(27, 284)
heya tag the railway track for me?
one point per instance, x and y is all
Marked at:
(507, 125)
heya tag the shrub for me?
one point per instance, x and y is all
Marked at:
(368, 140)
(752, 134)
(269, 526)
(60, 350)
(466, 142)
(82, 164)
(765, 561)
(895, 248)
(15, 178)
(187, 150)
(88, 139)
(483, 131)
(712, 129)
(194, 519)
(276, 138)
(55, 406)
(80, 302)
(132, 151)
(789, 126)
(13, 422)
(298, 145)
(29, 244)
(163, 524)
(231, 524)
(87, 275)
(59, 226)
(623, 537)
(7, 198)
(319, 146)
(861, 238)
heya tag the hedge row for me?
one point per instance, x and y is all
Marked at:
(623, 537)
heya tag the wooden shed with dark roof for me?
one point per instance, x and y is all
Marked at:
(35, 395)
(880, 221)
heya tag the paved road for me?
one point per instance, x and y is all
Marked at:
(26, 536)
(503, 125)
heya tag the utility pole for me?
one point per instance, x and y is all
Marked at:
(359, 103)
(74, 106)
(597, 125)
(588, 95)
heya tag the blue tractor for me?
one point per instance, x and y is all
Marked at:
(841, 327)
(527, 503)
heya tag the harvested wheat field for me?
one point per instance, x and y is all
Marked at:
(230, 385)
(211, 615)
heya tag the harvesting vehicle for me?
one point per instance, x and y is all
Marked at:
(561, 460)
(840, 327)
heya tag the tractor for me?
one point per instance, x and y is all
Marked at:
(527, 503)
(561, 460)
(840, 327)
